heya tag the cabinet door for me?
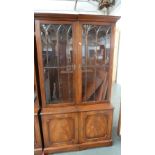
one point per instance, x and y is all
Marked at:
(95, 126)
(60, 130)
(96, 55)
(56, 61)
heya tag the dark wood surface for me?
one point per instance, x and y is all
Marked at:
(37, 136)
(36, 100)
(76, 17)
(60, 129)
(95, 126)
(40, 61)
(119, 124)
(77, 125)
(37, 132)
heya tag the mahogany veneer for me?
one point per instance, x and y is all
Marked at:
(75, 60)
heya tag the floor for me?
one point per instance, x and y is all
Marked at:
(115, 149)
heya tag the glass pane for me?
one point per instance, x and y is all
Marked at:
(57, 53)
(95, 62)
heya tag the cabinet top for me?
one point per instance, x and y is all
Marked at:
(76, 17)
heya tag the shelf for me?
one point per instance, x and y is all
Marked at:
(84, 71)
(66, 72)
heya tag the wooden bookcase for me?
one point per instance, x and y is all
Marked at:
(75, 62)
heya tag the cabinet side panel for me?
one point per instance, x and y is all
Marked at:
(37, 137)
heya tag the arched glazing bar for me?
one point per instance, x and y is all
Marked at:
(68, 56)
(44, 35)
(57, 60)
(94, 61)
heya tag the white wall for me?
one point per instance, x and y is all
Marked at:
(62, 6)
(67, 6)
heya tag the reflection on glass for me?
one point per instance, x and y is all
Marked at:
(95, 62)
(58, 62)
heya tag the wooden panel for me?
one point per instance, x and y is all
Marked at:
(111, 61)
(60, 129)
(76, 108)
(94, 144)
(62, 148)
(95, 126)
(76, 17)
(36, 99)
(119, 124)
(40, 61)
(37, 137)
(77, 31)
(116, 54)
(38, 151)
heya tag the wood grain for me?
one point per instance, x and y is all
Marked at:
(76, 17)
(37, 135)
(77, 125)
(60, 129)
(95, 126)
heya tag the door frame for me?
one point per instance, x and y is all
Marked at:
(40, 61)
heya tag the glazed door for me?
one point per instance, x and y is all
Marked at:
(56, 59)
(95, 66)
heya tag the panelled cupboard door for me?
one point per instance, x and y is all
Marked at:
(95, 61)
(56, 60)
(60, 129)
(95, 126)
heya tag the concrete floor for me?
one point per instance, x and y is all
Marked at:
(115, 149)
